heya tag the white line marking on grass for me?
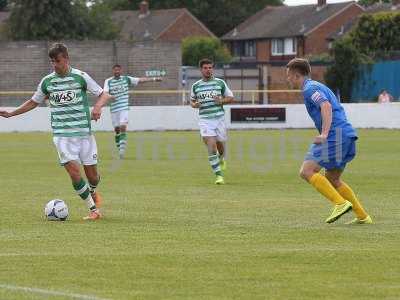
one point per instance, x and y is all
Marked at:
(49, 292)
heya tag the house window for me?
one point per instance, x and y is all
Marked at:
(237, 49)
(290, 46)
(286, 46)
(249, 49)
(277, 46)
(244, 49)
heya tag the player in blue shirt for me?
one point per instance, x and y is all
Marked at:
(332, 149)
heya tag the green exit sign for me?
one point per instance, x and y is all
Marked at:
(156, 73)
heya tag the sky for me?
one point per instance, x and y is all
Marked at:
(299, 2)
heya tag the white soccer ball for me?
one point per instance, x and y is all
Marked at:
(56, 210)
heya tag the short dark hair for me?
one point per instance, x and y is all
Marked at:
(205, 61)
(56, 49)
(116, 66)
(299, 65)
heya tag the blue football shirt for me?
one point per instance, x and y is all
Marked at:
(315, 93)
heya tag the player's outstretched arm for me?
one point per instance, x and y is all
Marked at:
(149, 79)
(25, 107)
(103, 99)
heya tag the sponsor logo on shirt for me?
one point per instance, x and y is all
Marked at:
(317, 98)
(117, 89)
(63, 97)
(207, 95)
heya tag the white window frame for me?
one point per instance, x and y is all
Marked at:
(237, 49)
(249, 48)
(289, 46)
(274, 45)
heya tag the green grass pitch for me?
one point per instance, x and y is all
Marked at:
(170, 233)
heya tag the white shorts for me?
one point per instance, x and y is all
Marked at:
(120, 118)
(213, 127)
(80, 149)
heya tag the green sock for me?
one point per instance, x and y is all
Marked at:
(94, 186)
(117, 139)
(214, 162)
(83, 190)
(122, 142)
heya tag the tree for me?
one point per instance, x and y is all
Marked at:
(196, 48)
(59, 19)
(100, 23)
(372, 2)
(219, 16)
(3, 4)
(346, 67)
(47, 19)
(374, 37)
(377, 34)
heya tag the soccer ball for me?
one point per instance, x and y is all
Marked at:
(56, 210)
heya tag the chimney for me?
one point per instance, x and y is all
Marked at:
(144, 9)
(321, 4)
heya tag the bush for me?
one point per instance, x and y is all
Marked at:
(196, 48)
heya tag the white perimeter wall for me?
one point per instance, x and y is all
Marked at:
(369, 115)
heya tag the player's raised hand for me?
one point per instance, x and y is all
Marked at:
(96, 113)
(4, 114)
(194, 104)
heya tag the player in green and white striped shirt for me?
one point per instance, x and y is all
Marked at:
(209, 95)
(118, 86)
(66, 89)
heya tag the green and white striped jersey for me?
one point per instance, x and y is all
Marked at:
(205, 91)
(70, 115)
(119, 87)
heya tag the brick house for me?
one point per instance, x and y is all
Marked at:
(170, 25)
(276, 34)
